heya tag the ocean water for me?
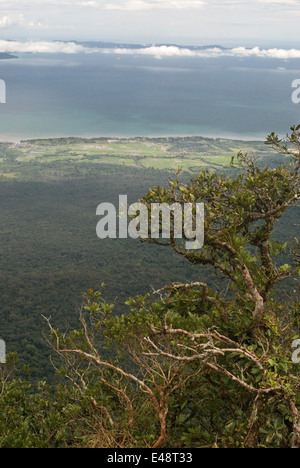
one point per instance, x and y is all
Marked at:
(109, 95)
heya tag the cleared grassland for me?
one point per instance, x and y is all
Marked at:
(188, 154)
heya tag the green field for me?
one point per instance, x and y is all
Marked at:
(190, 154)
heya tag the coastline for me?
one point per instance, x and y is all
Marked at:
(244, 138)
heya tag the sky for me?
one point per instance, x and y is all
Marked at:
(231, 23)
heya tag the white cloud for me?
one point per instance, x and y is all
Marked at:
(15, 20)
(10, 20)
(136, 5)
(280, 2)
(173, 51)
(154, 51)
(266, 53)
(157, 51)
(88, 4)
(139, 5)
(43, 47)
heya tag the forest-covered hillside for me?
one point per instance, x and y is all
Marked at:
(50, 254)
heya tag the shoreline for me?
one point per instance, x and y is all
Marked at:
(243, 138)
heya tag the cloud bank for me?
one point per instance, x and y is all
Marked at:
(158, 52)
(140, 5)
(173, 51)
(18, 20)
(145, 21)
(43, 47)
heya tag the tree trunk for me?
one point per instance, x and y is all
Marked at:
(252, 438)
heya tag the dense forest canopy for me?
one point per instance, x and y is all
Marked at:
(49, 250)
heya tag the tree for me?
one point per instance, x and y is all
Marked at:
(190, 364)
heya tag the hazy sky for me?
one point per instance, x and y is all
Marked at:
(227, 22)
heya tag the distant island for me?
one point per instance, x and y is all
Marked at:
(5, 56)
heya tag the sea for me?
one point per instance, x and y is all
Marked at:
(90, 95)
